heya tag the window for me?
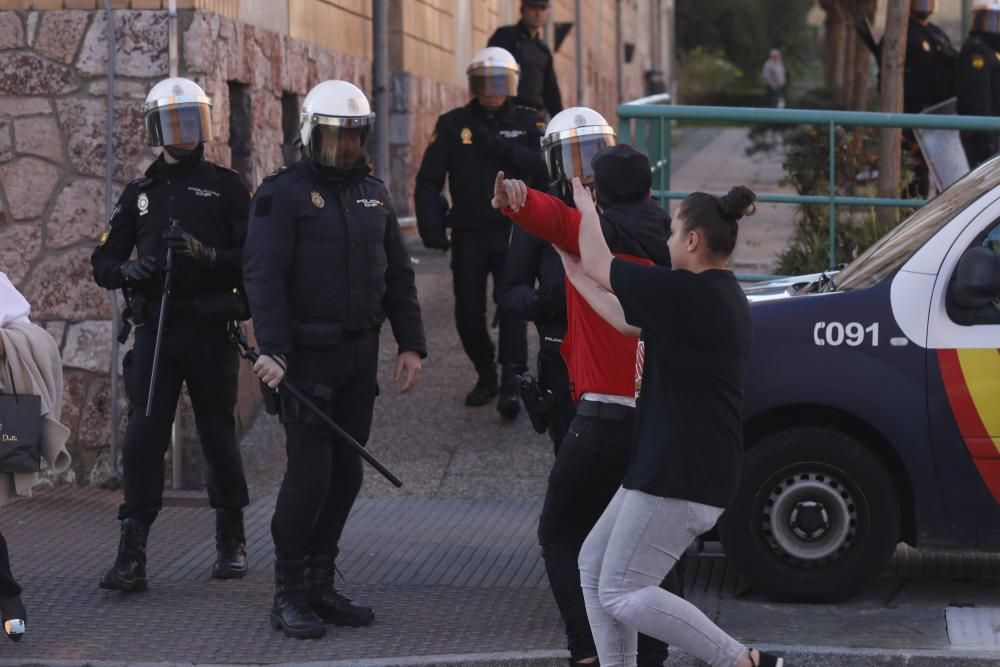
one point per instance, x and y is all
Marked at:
(240, 140)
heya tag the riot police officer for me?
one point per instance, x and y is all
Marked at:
(209, 204)
(469, 145)
(538, 87)
(979, 80)
(534, 290)
(929, 68)
(324, 266)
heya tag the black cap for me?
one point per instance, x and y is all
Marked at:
(622, 173)
(535, 3)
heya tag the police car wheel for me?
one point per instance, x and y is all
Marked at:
(816, 516)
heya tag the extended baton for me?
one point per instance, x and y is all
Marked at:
(164, 300)
(248, 352)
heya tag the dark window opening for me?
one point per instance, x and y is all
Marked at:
(240, 141)
(290, 127)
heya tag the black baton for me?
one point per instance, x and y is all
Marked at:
(164, 300)
(248, 352)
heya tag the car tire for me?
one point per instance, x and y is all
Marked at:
(816, 516)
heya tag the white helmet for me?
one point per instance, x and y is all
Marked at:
(336, 125)
(177, 112)
(493, 71)
(986, 17)
(572, 139)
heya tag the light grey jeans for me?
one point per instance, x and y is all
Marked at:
(631, 548)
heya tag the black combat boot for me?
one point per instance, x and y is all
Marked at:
(230, 545)
(128, 574)
(486, 387)
(14, 617)
(291, 612)
(329, 604)
(509, 404)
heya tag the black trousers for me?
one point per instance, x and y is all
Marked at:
(476, 254)
(552, 375)
(588, 470)
(324, 475)
(200, 355)
(8, 587)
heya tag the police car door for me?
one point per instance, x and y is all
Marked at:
(963, 379)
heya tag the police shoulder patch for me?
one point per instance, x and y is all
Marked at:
(433, 138)
(104, 236)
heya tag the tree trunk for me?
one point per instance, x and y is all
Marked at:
(893, 54)
(833, 45)
(851, 56)
(861, 80)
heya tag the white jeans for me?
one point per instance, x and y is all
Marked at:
(634, 544)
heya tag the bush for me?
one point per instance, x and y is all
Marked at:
(703, 74)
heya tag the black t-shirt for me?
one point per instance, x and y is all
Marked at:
(696, 330)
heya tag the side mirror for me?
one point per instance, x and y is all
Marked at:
(975, 284)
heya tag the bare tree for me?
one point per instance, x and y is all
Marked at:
(856, 97)
(834, 31)
(891, 92)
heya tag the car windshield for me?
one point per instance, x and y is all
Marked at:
(893, 249)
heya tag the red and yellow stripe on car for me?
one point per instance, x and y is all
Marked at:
(972, 382)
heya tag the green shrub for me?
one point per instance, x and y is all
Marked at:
(703, 74)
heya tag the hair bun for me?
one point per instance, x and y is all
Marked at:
(739, 202)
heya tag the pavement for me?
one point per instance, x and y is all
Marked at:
(450, 560)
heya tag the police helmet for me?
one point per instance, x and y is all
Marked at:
(336, 125)
(923, 8)
(572, 139)
(986, 17)
(177, 112)
(494, 72)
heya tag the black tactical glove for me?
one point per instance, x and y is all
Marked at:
(143, 268)
(488, 143)
(189, 246)
(436, 240)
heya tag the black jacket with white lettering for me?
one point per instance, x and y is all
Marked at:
(327, 252)
(209, 201)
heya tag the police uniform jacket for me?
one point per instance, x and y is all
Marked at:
(979, 91)
(327, 252)
(929, 69)
(534, 285)
(458, 151)
(208, 201)
(538, 86)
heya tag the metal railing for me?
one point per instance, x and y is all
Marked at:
(648, 127)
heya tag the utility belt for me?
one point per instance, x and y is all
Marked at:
(602, 410)
(318, 335)
(220, 306)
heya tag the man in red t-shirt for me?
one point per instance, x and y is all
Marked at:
(594, 456)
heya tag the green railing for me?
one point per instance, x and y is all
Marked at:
(648, 128)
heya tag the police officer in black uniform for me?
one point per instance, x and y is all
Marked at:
(979, 80)
(209, 204)
(534, 290)
(469, 146)
(929, 68)
(324, 266)
(538, 88)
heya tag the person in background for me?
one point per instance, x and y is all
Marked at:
(978, 80)
(29, 364)
(539, 87)
(774, 79)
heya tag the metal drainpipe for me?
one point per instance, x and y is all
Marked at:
(176, 451)
(578, 39)
(109, 172)
(380, 85)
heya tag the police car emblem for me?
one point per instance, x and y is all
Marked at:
(317, 199)
(143, 203)
(466, 135)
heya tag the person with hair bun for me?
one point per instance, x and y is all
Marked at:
(694, 326)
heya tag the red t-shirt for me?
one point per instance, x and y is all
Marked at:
(599, 359)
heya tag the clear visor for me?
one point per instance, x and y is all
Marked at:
(338, 146)
(571, 157)
(493, 82)
(179, 125)
(986, 19)
(923, 6)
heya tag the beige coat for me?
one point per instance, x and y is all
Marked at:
(33, 361)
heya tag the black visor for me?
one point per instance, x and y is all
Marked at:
(179, 125)
(923, 7)
(338, 146)
(571, 158)
(493, 82)
(986, 19)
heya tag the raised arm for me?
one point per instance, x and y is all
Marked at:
(594, 252)
(601, 300)
(541, 215)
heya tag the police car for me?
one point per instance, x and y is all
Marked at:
(872, 411)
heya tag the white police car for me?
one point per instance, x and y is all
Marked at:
(872, 411)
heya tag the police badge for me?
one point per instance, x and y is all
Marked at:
(143, 203)
(317, 199)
